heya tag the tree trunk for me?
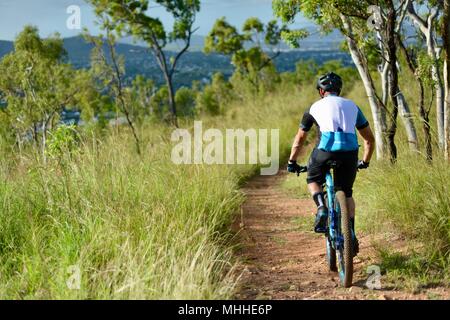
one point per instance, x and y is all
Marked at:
(405, 112)
(408, 122)
(393, 79)
(385, 83)
(439, 103)
(427, 29)
(162, 62)
(378, 112)
(172, 103)
(424, 115)
(446, 38)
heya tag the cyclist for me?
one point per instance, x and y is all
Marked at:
(337, 119)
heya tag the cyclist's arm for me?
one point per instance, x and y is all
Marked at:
(363, 127)
(369, 143)
(305, 125)
(300, 139)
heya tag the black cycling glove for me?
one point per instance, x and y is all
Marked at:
(363, 165)
(293, 167)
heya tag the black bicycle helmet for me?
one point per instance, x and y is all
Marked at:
(330, 82)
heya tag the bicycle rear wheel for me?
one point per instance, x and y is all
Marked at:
(331, 255)
(331, 252)
(345, 253)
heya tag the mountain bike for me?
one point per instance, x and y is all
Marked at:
(339, 235)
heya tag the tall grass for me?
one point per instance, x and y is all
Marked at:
(409, 199)
(135, 228)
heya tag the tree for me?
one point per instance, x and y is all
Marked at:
(252, 51)
(428, 28)
(213, 98)
(130, 17)
(391, 20)
(109, 69)
(446, 38)
(139, 95)
(36, 86)
(414, 54)
(185, 98)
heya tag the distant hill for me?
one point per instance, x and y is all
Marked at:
(197, 43)
(315, 41)
(195, 65)
(5, 47)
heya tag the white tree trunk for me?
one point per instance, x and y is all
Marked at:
(427, 28)
(378, 114)
(447, 112)
(446, 42)
(407, 118)
(385, 83)
(440, 97)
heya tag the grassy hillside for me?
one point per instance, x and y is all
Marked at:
(134, 228)
(144, 228)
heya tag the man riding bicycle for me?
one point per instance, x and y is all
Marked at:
(337, 119)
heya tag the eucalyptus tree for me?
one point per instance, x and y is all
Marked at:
(446, 40)
(37, 85)
(253, 50)
(427, 25)
(414, 53)
(132, 17)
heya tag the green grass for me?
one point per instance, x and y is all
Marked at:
(409, 199)
(136, 228)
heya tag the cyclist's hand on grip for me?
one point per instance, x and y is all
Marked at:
(293, 167)
(362, 165)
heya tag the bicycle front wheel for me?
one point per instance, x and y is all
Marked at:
(345, 253)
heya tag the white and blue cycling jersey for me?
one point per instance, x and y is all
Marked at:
(337, 118)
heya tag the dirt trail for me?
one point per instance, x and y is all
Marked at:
(281, 262)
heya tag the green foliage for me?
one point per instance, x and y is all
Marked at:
(207, 101)
(37, 85)
(253, 26)
(159, 103)
(185, 99)
(224, 38)
(293, 37)
(254, 66)
(424, 68)
(130, 17)
(62, 141)
(139, 95)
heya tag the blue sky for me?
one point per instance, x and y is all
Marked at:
(50, 15)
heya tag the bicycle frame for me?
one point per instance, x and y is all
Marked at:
(334, 233)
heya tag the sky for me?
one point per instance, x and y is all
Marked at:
(51, 16)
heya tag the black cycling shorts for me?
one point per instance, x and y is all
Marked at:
(344, 175)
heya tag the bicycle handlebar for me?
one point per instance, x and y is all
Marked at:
(303, 169)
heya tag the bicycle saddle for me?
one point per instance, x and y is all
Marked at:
(334, 164)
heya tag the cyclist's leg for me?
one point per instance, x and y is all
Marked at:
(316, 178)
(317, 171)
(345, 177)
